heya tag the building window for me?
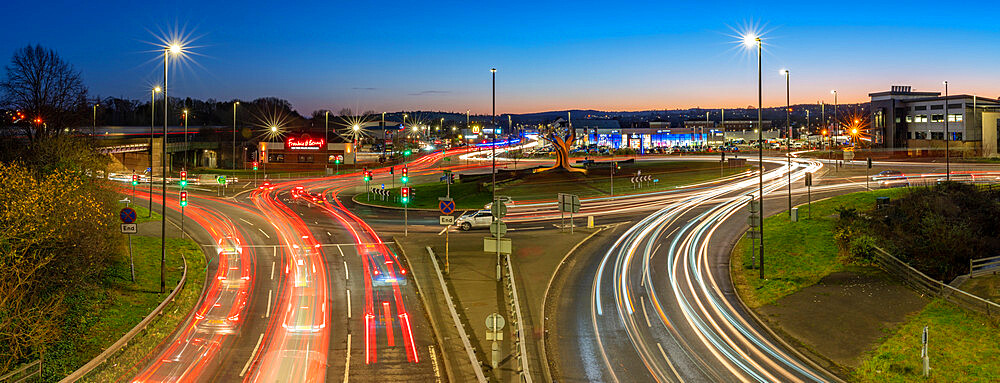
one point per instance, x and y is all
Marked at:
(920, 118)
(955, 118)
(937, 107)
(919, 135)
(955, 106)
(937, 135)
(920, 107)
(937, 118)
(279, 158)
(956, 136)
(305, 158)
(909, 118)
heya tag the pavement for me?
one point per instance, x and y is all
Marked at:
(843, 316)
(477, 294)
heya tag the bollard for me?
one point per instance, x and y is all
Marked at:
(590, 222)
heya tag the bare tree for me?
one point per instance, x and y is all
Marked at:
(46, 89)
(562, 138)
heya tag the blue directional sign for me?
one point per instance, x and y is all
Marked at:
(447, 207)
(127, 215)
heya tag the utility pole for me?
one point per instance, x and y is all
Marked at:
(493, 124)
(235, 127)
(947, 153)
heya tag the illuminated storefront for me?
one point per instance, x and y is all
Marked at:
(304, 152)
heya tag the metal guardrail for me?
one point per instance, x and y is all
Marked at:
(520, 353)
(983, 266)
(25, 373)
(122, 342)
(930, 286)
(478, 367)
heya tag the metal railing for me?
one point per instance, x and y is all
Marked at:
(476, 366)
(520, 350)
(932, 287)
(122, 342)
(983, 266)
(28, 372)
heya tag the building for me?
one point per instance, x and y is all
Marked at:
(916, 121)
(300, 152)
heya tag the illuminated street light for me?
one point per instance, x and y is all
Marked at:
(176, 50)
(356, 127)
(751, 38)
(274, 129)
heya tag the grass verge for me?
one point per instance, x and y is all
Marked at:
(471, 195)
(100, 315)
(963, 347)
(797, 254)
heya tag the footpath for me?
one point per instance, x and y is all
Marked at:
(475, 292)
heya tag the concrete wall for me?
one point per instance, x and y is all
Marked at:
(990, 134)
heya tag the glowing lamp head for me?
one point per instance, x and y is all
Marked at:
(493, 70)
(274, 129)
(355, 127)
(854, 131)
(174, 48)
(157, 89)
(833, 91)
(783, 72)
(750, 39)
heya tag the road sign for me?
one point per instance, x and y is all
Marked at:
(498, 228)
(569, 203)
(490, 245)
(127, 215)
(495, 322)
(446, 220)
(447, 206)
(809, 179)
(499, 209)
(129, 228)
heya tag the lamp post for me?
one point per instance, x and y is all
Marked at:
(749, 41)
(947, 153)
(493, 124)
(788, 140)
(152, 121)
(93, 129)
(235, 104)
(326, 137)
(172, 49)
(833, 132)
(185, 140)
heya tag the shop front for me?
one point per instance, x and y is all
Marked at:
(303, 152)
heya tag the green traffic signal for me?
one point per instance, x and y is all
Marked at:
(407, 152)
(404, 179)
(184, 183)
(406, 200)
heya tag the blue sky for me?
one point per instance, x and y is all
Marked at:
(388, 56)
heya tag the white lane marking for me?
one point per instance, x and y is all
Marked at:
(347, 274)
(328, 234)
(316, 222)
(667, 359)
(348, 304)
(268, 313)
(252, 355)
(248, 222)
(525, 228)
(340, 250)
(265, 234)
(347, 366)
(272, 269)
(642, 302)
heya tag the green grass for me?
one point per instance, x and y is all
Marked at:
(101, 314)
(468, 195)
(963, 347)
(797, 254)
(141, 213)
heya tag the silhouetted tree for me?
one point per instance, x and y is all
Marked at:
(42, 86)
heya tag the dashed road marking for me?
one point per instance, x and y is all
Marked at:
(252, 355)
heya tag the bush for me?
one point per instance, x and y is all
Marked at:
(862, 248)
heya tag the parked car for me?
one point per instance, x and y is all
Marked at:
(509, 202)
(475, 219)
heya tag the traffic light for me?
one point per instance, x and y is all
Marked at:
(406, 152)
(366, 174)
(392, 170)
(184, 198)
(405, 177)
(135, 179)
(451, 178)
(405, 192)
(184, 178)
(255, 165)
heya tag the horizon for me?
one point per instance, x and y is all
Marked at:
(632, 62)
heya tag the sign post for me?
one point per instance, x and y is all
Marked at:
(809, 184)
(128, 216)
(568, 203)
(494, 333)
(498, 210)
(447, 206)
(867, 171)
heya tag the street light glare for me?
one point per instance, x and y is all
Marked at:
(833, 91)
(157, 89)
(356, 127)
(783, 72)
(175, 48)
(274, 129)
(750, 39)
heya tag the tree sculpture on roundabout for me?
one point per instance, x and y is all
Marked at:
(562, 138)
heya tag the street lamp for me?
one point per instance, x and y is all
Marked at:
(493, 124)
(749, 41)
(788, 140)
(947, 153)
(174, 49)
(185, 139)
(93, 130)
(235, 104)
(833, 133)
(152, 121)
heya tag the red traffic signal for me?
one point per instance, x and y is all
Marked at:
(135, 179)
(405, 192)
(405, 177)
(255, 165)
(184, 178)
(184, 198)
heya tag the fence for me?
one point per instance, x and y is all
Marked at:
(29, 372)
(520, 351)
(983, 266)
(932, 287)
